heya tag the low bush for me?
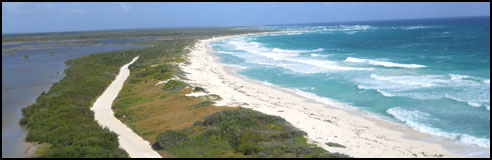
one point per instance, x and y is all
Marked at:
(174, 86)
(240, 133)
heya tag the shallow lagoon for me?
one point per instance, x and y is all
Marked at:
(30, 68)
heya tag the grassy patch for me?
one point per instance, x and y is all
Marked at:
(213, 97)
(174, 86)
(169, 110)
(201, 104)
(240, 133)
(42, 148)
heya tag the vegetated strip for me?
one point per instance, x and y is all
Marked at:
(62, 117)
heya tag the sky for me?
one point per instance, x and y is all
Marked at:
(35, 17)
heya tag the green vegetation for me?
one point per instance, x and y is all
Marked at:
(27, 56)
(332, 144)
(240, 133)
(161, 113)
(42, 149)
(213, 97)
(199, 89)
(162, 33)
(62, 116)
(174, 86)
(201, 104)
(192, 126)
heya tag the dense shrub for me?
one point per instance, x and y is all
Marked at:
(170, 139)
(332, 144)
(240, 133)
(199, 89)
(174, 86)
(62, 116)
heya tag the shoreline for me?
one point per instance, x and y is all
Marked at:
(363, 135)
(128, 140)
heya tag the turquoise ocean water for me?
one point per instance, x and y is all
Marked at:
(432, 75)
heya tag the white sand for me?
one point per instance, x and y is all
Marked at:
(135, 145)
(362, 135)
(196, 94)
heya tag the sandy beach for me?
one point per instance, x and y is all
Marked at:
(135, 145)
(363, 135)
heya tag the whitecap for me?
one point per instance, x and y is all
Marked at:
(415, 119)
(288, 59)
(414, 81)
(460, 88)
(382, 63)
(414, 27)
(458, 76)
(226, 52)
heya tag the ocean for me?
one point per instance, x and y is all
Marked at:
(30, 68)
(432, 75)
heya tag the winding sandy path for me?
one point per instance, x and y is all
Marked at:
(135, 145)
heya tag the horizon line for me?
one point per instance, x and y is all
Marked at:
(102, 30)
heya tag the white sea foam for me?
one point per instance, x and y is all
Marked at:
(458, 76)
(226, 52)
(382, 63)
(277, 50)
(414, 27)
(474, 104)
(461, 88)
(349, 29)
(467, 139)
(486, 81)
(325, 64)
(386, 94)
(350, 32)
(288, 59)
(470, 100)
(265, 82)
(411, 81)
(416, 119)
(286, 33)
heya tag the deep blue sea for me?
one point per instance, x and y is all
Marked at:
(432, 75)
